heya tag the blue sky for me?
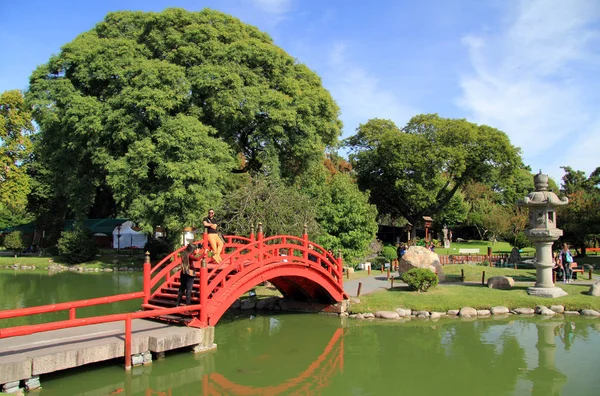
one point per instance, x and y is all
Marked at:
(528, 68)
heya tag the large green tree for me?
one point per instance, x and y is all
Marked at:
(154, 110)
(416, 171)
(15, 147)
(580, 219)
(346, 218)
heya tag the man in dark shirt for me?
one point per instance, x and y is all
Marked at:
(213, 235)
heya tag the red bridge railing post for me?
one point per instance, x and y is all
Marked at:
(260, 237)
(203, 293)
(147, 269)
(128, 342)
(305, 242)
(340, 263)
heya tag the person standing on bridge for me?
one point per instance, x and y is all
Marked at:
(213, 235)
(186, 279)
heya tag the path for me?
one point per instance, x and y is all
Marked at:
(31, 355)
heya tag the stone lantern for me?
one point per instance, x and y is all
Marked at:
(542, 232)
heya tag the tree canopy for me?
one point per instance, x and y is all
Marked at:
(580, 219)
(15, 147)
(154, 111)
(417, 171)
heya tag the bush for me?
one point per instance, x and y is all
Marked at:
(378, 262)
(156, 247)
(518, 240)
(52, 251)
(390, 253)
(14, 241)
(77, 246)
(420, 279)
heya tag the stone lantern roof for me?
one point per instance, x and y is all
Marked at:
(542, 196)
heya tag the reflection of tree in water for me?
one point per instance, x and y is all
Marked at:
(20, 289)
(423, 357)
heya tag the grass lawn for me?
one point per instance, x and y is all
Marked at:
(443, 298)
(498, 247)
(103, 261)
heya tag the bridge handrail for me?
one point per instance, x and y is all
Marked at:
(127, 317)
(41, 309)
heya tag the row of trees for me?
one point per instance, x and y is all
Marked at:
(159, 116)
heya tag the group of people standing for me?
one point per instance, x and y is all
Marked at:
(562, 264)
(192, 253)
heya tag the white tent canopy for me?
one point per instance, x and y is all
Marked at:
(129, 237)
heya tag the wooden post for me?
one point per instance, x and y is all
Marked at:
(128, 342)
(359, 287)
(147, 269)
(388, 272)
(590, 274)
(392, 282)
(483, 278)
(462, 275)
(553, 276)
(348, 273)
(369, 270)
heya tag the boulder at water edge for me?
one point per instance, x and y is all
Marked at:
(500, 282)
(595, 289)
(420, 257)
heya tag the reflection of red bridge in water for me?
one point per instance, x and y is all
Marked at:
(299, 269)
(317, 376)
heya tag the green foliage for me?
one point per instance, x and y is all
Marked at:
(15, 148)
(378, 262)
(52, 250)
(420, 279)
(416, 171)
(77, 246)
(281, 209)
(518, 240)
(157, 248)
(580, 219)
(14, 241)
(390, 253)
(346, 219)
(151, 110)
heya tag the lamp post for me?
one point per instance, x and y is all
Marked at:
(118, 238)
(542, 232)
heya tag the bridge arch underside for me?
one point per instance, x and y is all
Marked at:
(296, 283)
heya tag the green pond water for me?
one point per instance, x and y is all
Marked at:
(315, 354)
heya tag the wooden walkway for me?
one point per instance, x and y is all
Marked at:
(29, 356)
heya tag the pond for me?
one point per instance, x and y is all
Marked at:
(317, 354)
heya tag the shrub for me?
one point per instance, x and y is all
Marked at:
(390, 253)
(420, 279)
(77, 246)
(378, 262)
(52, 250)
(14, 241)
(156, 247)
(518, 240)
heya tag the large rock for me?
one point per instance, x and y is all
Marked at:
(420, 257)
(500, 282)
(387, 315)
(595, 289)
(467, 312)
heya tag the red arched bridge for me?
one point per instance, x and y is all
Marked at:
(301, 270)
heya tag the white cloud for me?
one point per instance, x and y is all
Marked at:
(360, 94)
(534, 78)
